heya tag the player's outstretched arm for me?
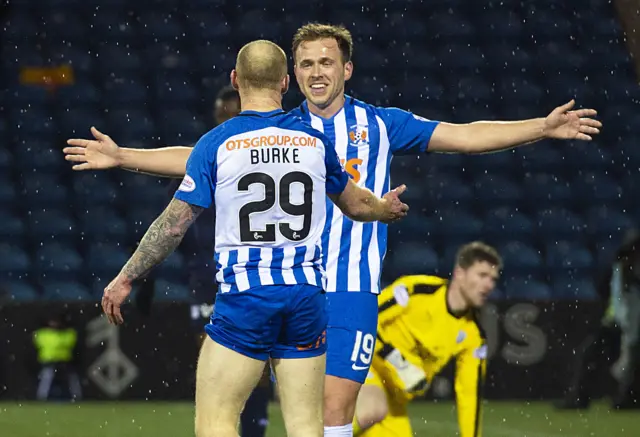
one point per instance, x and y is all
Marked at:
(492, 136)
(161, 239)
(103, 153)
(361, 205)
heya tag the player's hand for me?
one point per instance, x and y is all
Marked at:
(99, 154)
(114, 295)
(394, 208)
(567, 124)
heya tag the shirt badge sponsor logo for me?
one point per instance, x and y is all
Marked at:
(358, 135)
(481, 352)
(461, 336)
(187, 185)
(401, 294)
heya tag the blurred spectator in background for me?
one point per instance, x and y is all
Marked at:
(56, 344)
(618, 336)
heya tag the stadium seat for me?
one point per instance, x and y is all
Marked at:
(118, 60)
(39, 157)
(412, 259)
(13, 228)
(156, 25)
(57, 261)
(6, 161)
(131, 124)
(543, 190)
(606, 222)
(125, 91)
(502, 24)
(79, 95)
(106, 259)
(518, 288)
(77, 122)
(492, 190)
(65, 291)
(51, 225)
(79, 58)
(598, 188)
(558, 223)
(93, 189)
(29, 122)
(505, 223)
(20, 291)
(457, 225)
(568, 256)
(574, 288)
(171, 291)
(415, 227)
(64, 24)
(43, 191)
(175, 90)
(114, 26)
(520, 258)
(173, 268)
(15, 263)
(100, 223)
(8, 194)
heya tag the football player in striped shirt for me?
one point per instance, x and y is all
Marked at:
(423, 323)
(268, 175)
(366, 139)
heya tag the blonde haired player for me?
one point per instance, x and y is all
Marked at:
(423, 323)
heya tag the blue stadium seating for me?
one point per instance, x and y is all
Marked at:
(57, 261)
(65, 291)
(171, 291)
(15, 262)
(20, 291)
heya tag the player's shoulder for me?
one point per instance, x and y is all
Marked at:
(292, 120)
(390, 114)
(422, 284)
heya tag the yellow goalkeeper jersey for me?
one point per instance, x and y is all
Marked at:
(418, 335)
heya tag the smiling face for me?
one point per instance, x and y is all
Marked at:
(321, 72)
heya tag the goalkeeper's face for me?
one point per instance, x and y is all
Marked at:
(478, 282)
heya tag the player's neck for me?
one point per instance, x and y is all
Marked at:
(260, 102)
(456, 303)
(329, 111)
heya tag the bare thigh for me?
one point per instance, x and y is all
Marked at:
(224, 381)
(301, 388)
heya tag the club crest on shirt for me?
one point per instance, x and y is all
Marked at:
(358, 135)
(461, 336)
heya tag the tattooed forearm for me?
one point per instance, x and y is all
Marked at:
(162, 238)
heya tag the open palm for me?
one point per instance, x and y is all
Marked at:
(99, 154)
(566, 124)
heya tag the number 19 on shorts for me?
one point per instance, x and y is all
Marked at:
(362, 350)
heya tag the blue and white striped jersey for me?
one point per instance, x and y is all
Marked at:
(365, 137)
(268, 174)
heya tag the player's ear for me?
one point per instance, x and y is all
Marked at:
(285, 85)
(234, 79)
(348, 70)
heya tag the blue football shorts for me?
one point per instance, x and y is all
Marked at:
(273, 321)
(351, 333)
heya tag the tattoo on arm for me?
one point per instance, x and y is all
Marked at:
(162, 238)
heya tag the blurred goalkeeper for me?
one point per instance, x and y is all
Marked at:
(424, 322)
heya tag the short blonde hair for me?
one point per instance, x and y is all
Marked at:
(315, 31)
(261, 64)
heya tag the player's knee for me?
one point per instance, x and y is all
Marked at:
(375, 412)
(339, 408)
(209, 429)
